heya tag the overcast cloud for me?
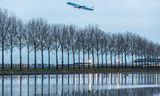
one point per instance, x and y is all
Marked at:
(138, 16)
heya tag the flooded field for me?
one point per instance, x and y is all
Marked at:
(94, 84)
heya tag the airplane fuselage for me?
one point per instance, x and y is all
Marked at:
(79, 6)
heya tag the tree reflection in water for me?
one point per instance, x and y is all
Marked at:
(93, 84)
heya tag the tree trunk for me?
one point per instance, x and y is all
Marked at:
(111, 58)
(49, 56)
(42, 58)
(2, 55)
(141, 57)
(155, 60)
(11, 50)
(136, 61)
(93, 63)
(35, 58)
(74, 60)
(79, 59)
(118, 60)
(122, 60)
(97, 45)
(115, 63)
(158, 60)
(88, 58)
(93, 58)
(132, 61)
(125, 60)
(68, 57)
(62, 58)
(2, 36)
(97, 59)
(106, 59)
(28, 56)
(145, 57)
(20, 58)
(83, 58)
(56, 58)
(102, 58)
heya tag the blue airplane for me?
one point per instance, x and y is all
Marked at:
(79, 6)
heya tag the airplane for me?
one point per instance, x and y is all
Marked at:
(79, 6)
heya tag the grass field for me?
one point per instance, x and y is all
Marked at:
(74, 71)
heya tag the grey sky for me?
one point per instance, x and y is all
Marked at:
(138, 16)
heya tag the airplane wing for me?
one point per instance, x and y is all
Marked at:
(74, 5)
(86, 8)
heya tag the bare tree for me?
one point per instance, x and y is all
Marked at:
(69, 46)
(126, 47)
(62, 38)
(102, 47)
(111, 48)
(79, 46)
(106, 45)
(56, 30)
(119, 44)
(20, 37)
(90, 32)
(27, 43)
(48, 44)
(83, 44)
(12, 33)
(42, 29)
(73, 42)
(97, 47)
(33, 37)
(37, 34)
(132, 47)
(4, 28)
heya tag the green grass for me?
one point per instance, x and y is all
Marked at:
(71, 70)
